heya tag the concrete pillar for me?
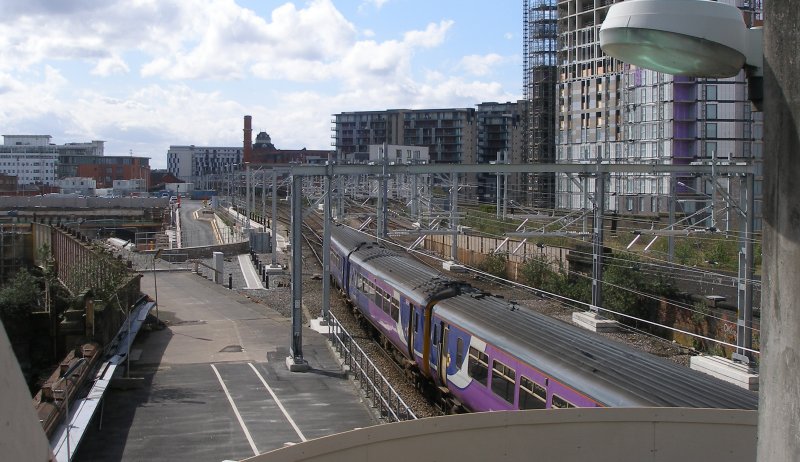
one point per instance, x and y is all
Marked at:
(219, 262)
(779, 390)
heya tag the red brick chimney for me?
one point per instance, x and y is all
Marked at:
(248, 138)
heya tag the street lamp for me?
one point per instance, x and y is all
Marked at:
(694, 38)
(66, 375)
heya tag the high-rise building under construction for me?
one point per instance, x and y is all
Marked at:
(539, 85)
(608, 111)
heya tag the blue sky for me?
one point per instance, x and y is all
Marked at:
(146, 74)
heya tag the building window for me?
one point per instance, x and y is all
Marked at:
(711, 111)
(711, 148)
(711, 92)
(711, 130)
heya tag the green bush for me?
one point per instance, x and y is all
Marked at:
(495, 264)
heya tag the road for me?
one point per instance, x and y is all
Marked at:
(196, 227)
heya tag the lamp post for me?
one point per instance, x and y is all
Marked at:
(66, 375)
(155, 280)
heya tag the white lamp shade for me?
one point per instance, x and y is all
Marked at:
(696, 38)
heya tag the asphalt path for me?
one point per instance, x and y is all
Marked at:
(213, 385)
(195, 232)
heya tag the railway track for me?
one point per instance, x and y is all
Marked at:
(363, 335)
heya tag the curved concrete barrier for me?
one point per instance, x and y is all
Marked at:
(640, 434)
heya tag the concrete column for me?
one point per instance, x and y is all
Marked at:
(219, 261)
(779, 390)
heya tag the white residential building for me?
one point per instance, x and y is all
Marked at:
(31, 158)
(76, 185)
(193, 163)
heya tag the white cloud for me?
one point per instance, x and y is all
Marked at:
(206, 63)
(432, 36)
(480, 65)
(110, 66)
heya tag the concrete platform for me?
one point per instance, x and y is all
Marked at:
(216, 384)
(727, 370)
(594, 322)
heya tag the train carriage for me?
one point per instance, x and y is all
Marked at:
(485, 353)
(494, 354)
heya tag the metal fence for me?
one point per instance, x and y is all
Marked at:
(375, 386)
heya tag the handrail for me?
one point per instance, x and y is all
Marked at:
(377, 387)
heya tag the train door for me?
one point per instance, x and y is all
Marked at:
(437, 349)
(444, 355)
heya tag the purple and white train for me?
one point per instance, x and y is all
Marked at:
(484, 353)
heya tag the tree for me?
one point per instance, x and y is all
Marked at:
(19, 296)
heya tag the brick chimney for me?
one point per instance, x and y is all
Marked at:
(248, 138)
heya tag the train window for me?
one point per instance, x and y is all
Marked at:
(561, 403)
(531, 394)
(459, 352)
(395, 309)
(503, 378)
(478, 365)
(436, 334)
(378, 297)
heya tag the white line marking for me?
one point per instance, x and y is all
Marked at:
(278, 402)
(236, 411)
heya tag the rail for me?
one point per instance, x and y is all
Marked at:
(374, 384)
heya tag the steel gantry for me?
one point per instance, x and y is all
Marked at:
(598, 169)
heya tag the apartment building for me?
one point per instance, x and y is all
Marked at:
(501, 140)
(449, 134)
(30, 158)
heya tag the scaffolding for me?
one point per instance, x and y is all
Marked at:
(539, 84)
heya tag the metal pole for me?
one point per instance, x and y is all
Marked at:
(505, 188)
(274, 218)
(597, 251)
(326, 246)
(672, 198)
(155, 282)
(497, 190)
(264, 197)
(414, 193)
(453, 217)
(247, 197)
(296, 361)
(744, 328)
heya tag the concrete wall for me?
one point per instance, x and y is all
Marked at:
(70, 201)
(21, 434)
(566, 435)
(190, 253)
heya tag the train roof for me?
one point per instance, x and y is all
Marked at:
(349, 238)
(415, 279)
(614, 373)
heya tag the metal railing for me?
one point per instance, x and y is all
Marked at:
(377, 389)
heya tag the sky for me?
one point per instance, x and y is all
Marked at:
(142, 75)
